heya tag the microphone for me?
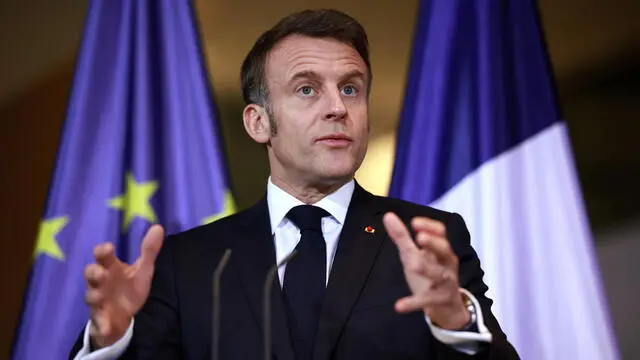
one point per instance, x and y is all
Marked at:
(266, 305)
(215, 321)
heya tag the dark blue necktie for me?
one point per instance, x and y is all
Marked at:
(304, 279)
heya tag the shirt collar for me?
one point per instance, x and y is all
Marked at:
(280, 202)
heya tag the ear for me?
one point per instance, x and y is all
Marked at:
(256, 123)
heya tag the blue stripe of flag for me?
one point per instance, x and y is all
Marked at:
(479, 84)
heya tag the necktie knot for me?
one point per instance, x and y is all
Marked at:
(307, 217)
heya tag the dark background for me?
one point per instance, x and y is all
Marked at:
(594, 47)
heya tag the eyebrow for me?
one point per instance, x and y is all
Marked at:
(312, 75)
(305, 74)
(353, 74)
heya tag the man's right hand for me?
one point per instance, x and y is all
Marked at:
(116, 290)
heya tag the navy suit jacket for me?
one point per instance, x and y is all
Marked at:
(358, 320)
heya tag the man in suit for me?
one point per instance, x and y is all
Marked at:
(371, 278)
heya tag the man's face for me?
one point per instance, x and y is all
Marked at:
(318, 96)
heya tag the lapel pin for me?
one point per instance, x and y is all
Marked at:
(369, 229)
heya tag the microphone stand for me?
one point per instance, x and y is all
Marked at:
(215, 331)
(266, 305)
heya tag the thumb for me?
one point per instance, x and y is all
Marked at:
(408, 304)
(151, 245)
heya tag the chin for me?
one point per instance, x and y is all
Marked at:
(337, 172)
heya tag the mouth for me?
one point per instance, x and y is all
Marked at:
(335, 140)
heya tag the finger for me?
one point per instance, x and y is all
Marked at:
(425, 224)
(398, 232)
(99, 324)
(95, 274)
(94, 297)
(94, 328)
(410, 303)
(414, 302)
(421, 239)
(425, 264)
(105, 255)
(151, 245)
(416, 264)
(439, 247)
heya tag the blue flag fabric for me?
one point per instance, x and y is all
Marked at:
(481, 135)
(140, 145)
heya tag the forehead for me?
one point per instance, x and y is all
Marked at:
(321, 55)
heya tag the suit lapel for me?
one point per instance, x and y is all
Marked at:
(355, 256)
(254, 255)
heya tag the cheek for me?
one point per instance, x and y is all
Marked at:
(362, 126)
(291, 143)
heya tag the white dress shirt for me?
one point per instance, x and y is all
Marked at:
(286, 237)
(286, 233)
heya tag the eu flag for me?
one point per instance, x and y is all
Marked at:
(481, 135)
(140, 145)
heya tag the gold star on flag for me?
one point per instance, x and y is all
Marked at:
(135, 201)
(46, 243)
(228, 208)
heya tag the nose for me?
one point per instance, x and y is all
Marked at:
(336, 110)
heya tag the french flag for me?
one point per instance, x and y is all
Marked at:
(481, 135)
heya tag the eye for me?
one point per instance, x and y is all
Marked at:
(306, 91)
(349, 90)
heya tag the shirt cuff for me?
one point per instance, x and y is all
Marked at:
(464, 341)
(107, 353)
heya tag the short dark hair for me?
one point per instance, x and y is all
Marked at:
(324, 23)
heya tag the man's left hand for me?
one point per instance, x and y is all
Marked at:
(431, 271)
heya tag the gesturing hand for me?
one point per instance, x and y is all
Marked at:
(116, 290)
(431, 271)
